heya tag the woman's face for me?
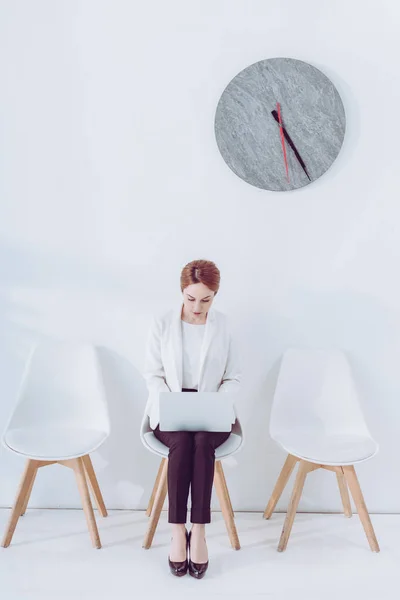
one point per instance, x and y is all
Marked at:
(197, 300)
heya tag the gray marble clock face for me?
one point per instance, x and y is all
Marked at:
(249, 137)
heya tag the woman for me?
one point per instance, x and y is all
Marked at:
(190, 350)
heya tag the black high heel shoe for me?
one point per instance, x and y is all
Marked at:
(196, 570)
(179, 569)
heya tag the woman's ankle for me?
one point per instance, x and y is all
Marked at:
(199, 529)
(178, 529)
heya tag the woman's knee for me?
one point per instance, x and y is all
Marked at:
(203, 441)
(182, 441)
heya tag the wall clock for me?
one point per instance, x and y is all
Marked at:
(280, 124)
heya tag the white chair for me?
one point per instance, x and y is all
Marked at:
(60, 417)
(228, 448)
(317, 419)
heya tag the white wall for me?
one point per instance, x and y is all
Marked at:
(111, 181)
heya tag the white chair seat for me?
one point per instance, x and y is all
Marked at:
(228, 448)
(232, 445)
(54, 442)
(334, 449)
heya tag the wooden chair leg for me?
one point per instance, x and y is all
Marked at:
(344, 492)
(223, 498)
(294, 502)
(23, 491)
(159, 499)
(94, 485)
(79, 470)
(352, 481)
(155, 487)
(282, 480)
(227, 491)
(28, 494)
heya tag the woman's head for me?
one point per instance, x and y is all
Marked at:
(200, 281)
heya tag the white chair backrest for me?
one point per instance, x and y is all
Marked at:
(62, 385)
(316, 392)
(145, 428)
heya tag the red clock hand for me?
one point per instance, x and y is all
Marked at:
(278, 106)
(291, 144)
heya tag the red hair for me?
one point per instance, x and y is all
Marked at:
(201, 271)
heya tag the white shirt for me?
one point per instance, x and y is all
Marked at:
(192, 340)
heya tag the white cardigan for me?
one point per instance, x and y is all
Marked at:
(219, 369)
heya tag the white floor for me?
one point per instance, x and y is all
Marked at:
(328, 557)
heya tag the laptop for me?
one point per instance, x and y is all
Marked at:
(202, 411)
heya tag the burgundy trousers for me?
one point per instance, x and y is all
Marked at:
(191, 462)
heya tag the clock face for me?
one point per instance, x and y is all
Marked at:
(280, 124)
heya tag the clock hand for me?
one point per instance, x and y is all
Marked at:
(278, 106)
(291, 144)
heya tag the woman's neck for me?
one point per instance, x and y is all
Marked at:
(192, 319)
